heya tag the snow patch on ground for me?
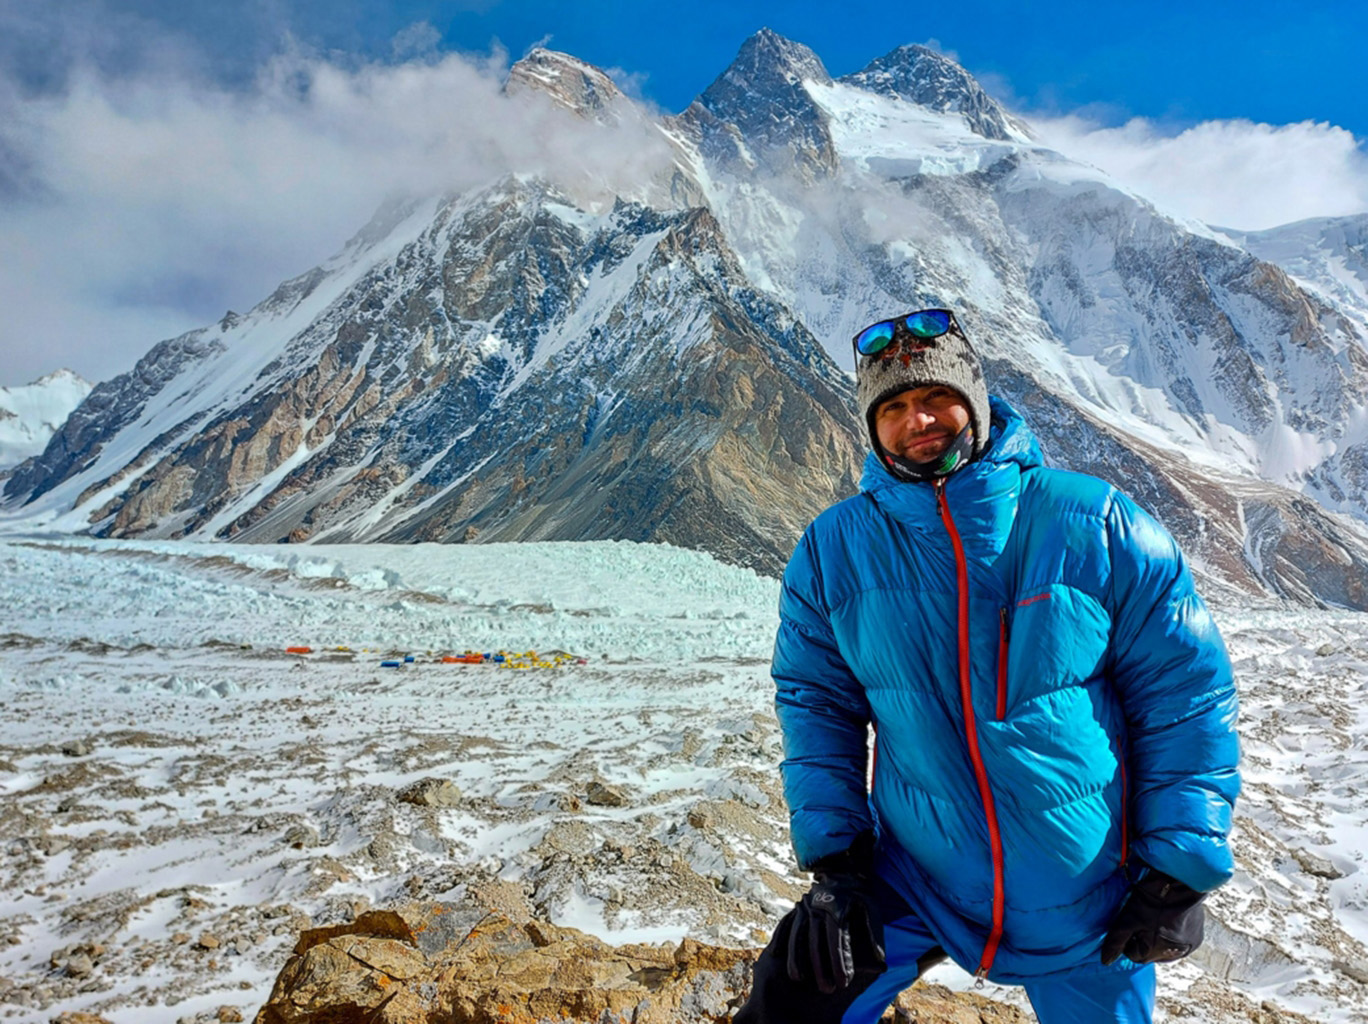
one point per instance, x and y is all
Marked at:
(183, 795)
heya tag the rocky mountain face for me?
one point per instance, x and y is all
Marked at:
(922, 76)
(525, 361)
(1327, 256)
(429, 402)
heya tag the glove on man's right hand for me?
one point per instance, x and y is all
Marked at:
(836, 931)
(1162, 920)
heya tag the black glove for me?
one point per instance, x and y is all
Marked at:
(836, 931)
(1161, 920)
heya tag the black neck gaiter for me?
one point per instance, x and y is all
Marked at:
(959, 454)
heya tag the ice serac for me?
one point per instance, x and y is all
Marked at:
(759, 116)
(920, 75)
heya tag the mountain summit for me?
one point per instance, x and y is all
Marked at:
(569, 81)
(31, 414)
(766, 65)
(758, 113)
(921, 75)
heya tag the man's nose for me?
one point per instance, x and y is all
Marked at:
(919, 416)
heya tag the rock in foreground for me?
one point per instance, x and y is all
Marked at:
(444, 963)
(439, 963)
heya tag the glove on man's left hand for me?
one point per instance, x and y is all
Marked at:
(1161, 920)
(836, 931)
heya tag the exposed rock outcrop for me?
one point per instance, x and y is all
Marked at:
(441, 963)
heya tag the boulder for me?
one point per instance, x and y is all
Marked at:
(601, 795)
(436, 963)
(939, 1004)
(430, 792)
(1315, 864)
(459, 963)
(301, 837)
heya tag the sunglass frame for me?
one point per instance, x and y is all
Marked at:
(896, 323)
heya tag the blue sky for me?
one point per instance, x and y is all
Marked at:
(1176, 62)
(160, 161)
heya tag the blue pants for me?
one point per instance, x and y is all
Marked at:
(1083, 997)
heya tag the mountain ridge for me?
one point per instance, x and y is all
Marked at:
(478, 366)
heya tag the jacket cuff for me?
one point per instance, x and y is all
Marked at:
(857, 859)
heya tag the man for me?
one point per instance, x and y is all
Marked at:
(1054, 759)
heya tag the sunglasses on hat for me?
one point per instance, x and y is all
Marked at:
(924, 323)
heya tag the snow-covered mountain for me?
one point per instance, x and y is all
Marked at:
(922, 76)
(1325, 255)
(420, 395)
(32, 413)
(532, 360)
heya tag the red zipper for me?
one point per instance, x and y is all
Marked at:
(971, 734)
(1003, 639)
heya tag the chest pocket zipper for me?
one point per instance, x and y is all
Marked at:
(1004, 645)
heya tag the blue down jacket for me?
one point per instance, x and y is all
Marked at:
(1049, 696)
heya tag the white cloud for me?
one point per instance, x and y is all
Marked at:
(418, 40)
(148, 204)
(1235, 174)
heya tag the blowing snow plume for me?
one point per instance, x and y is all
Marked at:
(222, 191)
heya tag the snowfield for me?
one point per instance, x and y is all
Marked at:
(31, 414)
(181, 795)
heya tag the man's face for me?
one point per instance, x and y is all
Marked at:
(920, 423)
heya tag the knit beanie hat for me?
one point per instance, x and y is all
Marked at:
(912, 362)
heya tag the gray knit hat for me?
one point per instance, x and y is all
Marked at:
(913, 362)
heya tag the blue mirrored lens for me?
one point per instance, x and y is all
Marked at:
(874, 339)
(930, 324)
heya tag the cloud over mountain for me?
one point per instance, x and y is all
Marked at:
(1232, 173)
(139, 205)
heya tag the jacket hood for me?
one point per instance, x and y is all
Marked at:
(982, 495)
